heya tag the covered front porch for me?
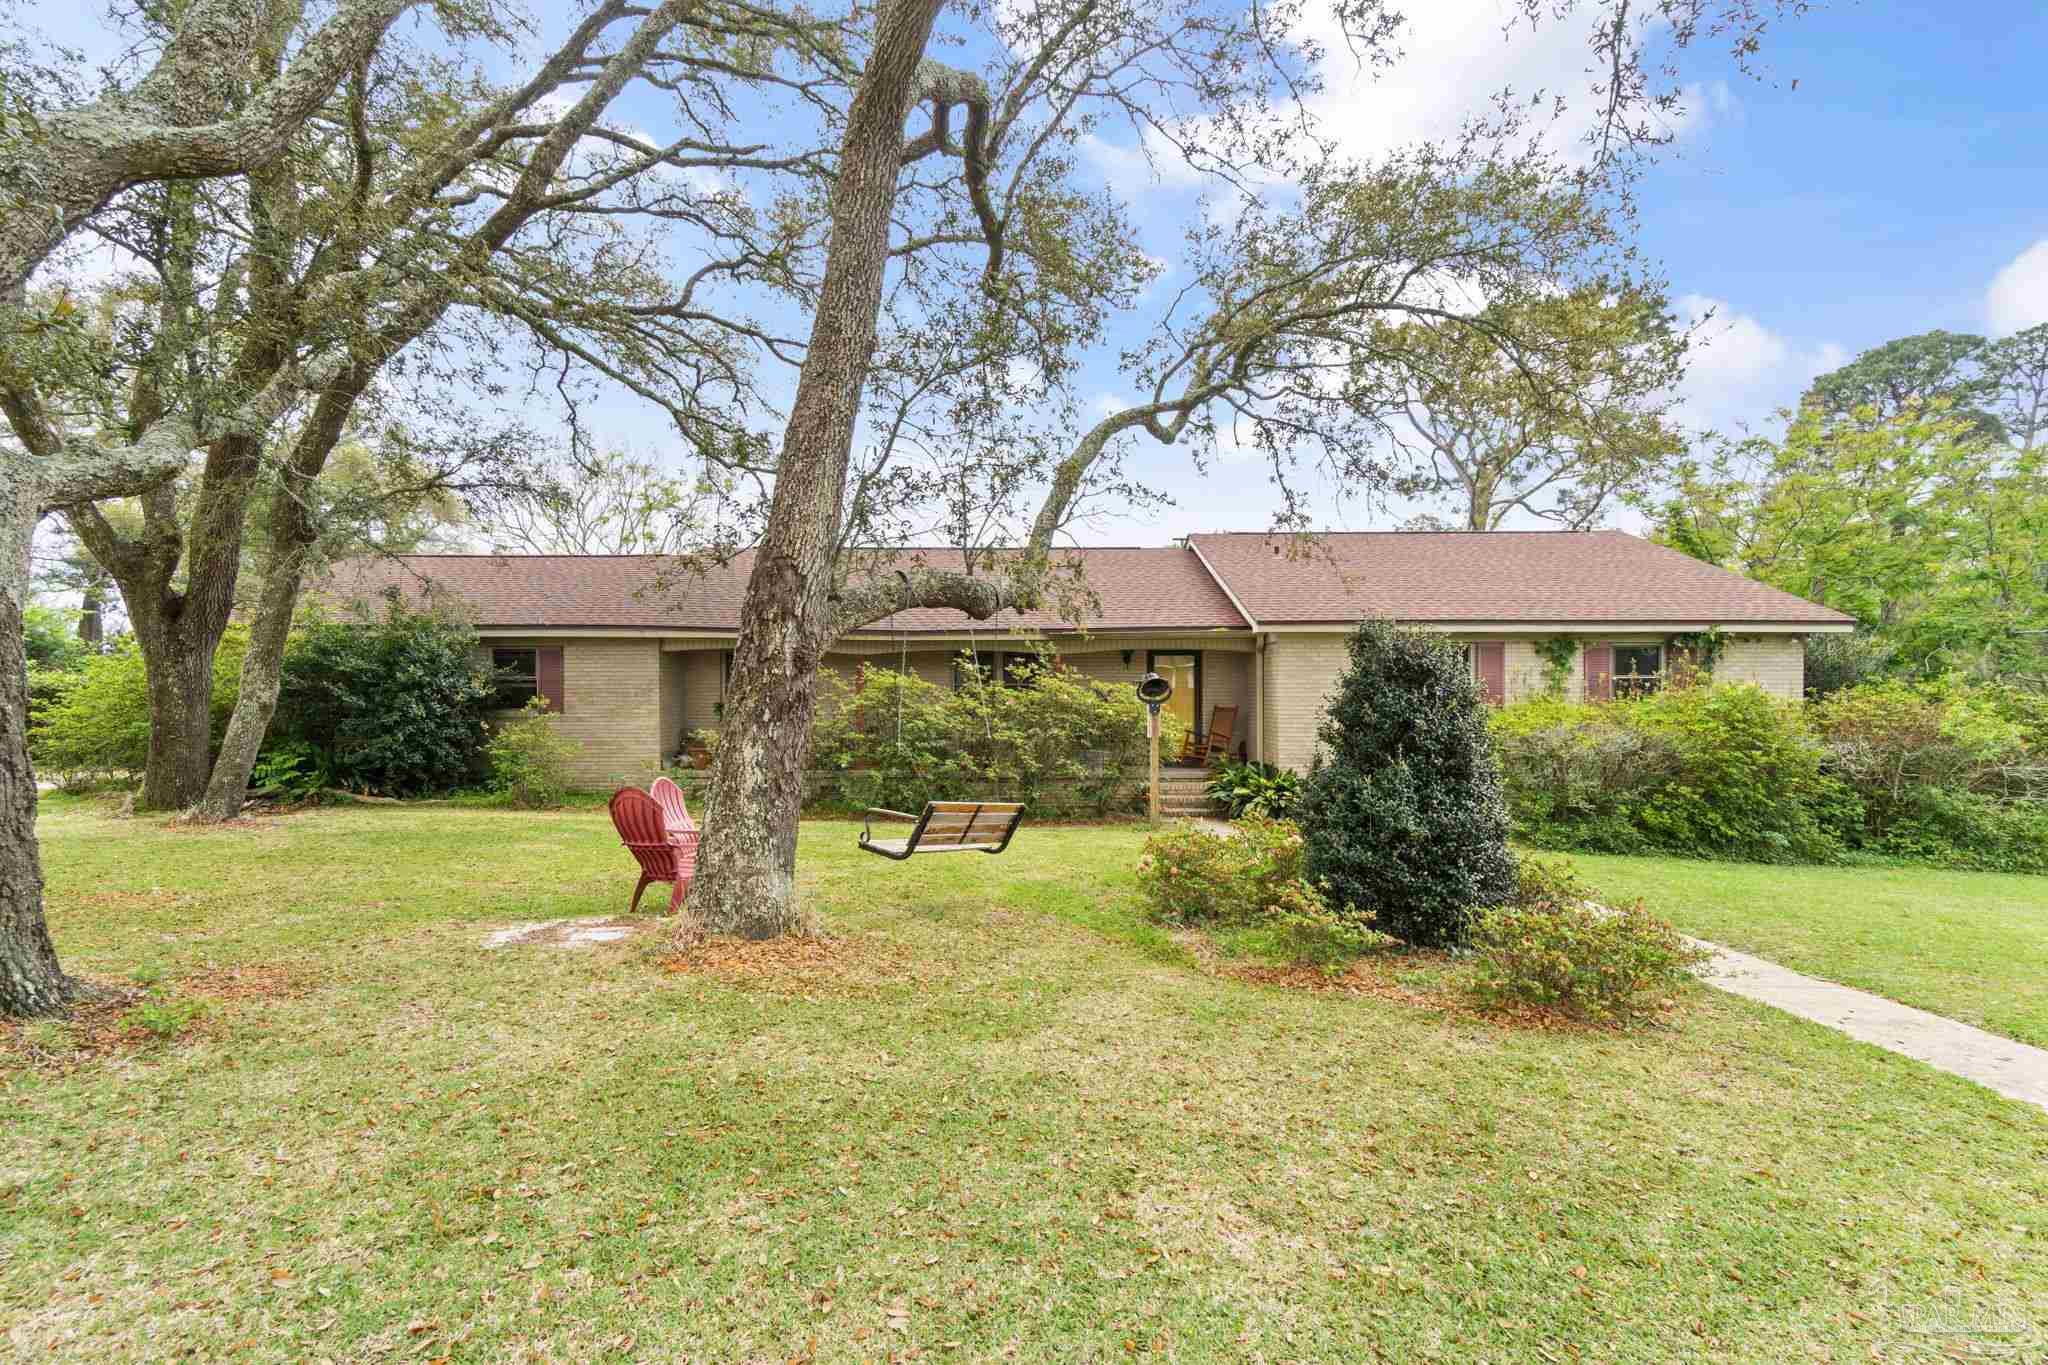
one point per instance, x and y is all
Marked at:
(1213, 674)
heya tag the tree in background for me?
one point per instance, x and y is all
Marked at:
(1888, 381)
(1934, 537)
(2016, 368)
(2000, 387)
(609, 503)
(1493, 441)
(427, 233)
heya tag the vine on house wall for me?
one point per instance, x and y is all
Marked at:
(1558, 653)
(1697, 650)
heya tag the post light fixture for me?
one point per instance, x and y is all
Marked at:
(1154, 690)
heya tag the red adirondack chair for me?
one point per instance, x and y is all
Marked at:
(663, 855)
(669, 797)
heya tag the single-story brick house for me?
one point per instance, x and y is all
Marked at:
(634, 656)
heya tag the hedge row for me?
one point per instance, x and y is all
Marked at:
(1949, 772)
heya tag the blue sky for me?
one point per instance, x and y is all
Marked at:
(1901, 184)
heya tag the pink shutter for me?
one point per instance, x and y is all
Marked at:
(548, 679)
(1490, 663)
(1599, 672)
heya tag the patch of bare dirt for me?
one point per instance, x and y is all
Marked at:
(108, 1023)
(796, 965)
(565, 933)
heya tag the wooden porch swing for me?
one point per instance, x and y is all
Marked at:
(943, 826)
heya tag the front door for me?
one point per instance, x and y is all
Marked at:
(1184, 671)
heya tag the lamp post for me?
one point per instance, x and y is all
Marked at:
(1153, 690)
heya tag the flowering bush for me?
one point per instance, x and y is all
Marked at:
(530, 757)
(1553, 948)
(1250, 878)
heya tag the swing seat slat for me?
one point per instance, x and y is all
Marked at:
(946, 827)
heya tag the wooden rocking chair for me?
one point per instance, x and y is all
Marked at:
(664, 855)
(1199, 751)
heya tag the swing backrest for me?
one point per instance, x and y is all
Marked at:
(967, 824)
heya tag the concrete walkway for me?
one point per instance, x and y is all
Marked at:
(2015, 1070)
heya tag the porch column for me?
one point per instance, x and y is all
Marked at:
(1257, 748)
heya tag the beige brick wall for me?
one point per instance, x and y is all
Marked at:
(670, 730)
(1776, 663)
(612, 703)
(1527, 674)
(703, 674)
(1301, 673)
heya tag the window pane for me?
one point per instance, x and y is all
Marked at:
(1638, 669)
(518, 677)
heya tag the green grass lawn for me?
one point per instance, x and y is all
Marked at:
(997, 1118)
(1970, 945)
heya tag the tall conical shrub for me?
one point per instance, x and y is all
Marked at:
(1403, 814)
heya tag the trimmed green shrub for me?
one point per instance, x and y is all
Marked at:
(1059, 742)
(1255, 789)
(529, 758)
(1405, 819)
(1574, 775)
(1552, 948)
(1716, 772)
(392, 705)
(1950, 772)
(1252, 878)
(96, 724)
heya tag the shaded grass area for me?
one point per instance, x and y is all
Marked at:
(1969, 945)
(1000, 1116)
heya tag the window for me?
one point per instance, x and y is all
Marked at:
(1638, 669)
(518, 677)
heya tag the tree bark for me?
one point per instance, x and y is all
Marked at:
(31, 981)
(179, 668)
(746, 869)
(291, 538)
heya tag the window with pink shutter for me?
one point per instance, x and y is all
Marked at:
(1490, 666)
(548, 678)
(1599, 672)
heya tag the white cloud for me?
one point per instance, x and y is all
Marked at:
(1739, 370)
(2018, 296)
(1455, 57)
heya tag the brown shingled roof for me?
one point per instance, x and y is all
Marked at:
(1453, 576)
(1137, 589)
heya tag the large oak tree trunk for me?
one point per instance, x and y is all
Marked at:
(31, 981)
(180, 672)
(746, 868)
